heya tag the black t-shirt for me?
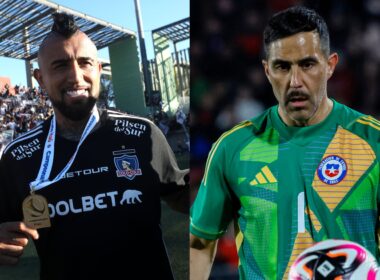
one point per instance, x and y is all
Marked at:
(105, 213)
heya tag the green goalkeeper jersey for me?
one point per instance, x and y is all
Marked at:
(289, 187)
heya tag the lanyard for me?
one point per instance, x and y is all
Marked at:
(42, 179)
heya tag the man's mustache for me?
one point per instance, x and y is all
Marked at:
(296, 94)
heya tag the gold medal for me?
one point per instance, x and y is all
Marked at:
(36, 211)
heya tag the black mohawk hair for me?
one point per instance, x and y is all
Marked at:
(64, 24)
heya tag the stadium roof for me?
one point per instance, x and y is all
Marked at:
(177, 31)
(25, 23)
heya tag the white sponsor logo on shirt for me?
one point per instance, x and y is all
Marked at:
(26, 150)
(130, 128)
(90, 203)
(86, 172)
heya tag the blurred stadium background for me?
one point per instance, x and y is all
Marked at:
(228, 83)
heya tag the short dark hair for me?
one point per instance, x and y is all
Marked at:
(295, 20)
(64, 24)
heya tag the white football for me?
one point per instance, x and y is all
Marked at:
(335, 259)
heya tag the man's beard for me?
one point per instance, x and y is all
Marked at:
(76, 111)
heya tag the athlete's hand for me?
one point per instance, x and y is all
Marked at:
(13, 238)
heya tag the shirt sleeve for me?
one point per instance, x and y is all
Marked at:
(212, 210)
(172, 178)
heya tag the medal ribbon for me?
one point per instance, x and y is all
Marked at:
(42, 179)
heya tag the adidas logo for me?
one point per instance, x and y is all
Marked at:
(265, 176)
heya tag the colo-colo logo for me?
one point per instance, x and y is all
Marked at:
(130, 128)
(27, 150)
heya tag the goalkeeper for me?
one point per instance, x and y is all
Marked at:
(304, 171)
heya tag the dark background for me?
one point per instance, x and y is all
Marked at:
(228, 83)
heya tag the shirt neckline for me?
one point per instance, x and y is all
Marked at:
(306, 134)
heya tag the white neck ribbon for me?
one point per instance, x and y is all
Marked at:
(42, 179)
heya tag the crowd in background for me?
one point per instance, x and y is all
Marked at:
(228, 83)
(21, 109)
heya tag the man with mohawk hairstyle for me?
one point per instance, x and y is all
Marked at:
(64, 24)
(64, 184)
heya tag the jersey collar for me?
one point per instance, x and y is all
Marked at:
(304, 135)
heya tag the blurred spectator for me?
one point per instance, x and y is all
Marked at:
(182, 121)
(21, 111)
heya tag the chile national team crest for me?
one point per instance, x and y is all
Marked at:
(332, 170)
(127, 166)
